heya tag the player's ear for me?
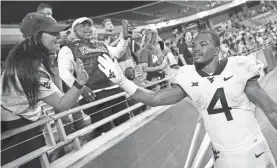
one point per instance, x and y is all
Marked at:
(217, 50)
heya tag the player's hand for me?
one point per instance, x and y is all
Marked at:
(82, 76)
(87, 94)
(111, 69)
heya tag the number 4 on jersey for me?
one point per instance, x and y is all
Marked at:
(220, 96)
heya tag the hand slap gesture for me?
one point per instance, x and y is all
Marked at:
(111, 69)
(81, 73)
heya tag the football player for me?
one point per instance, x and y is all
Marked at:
(224, 92)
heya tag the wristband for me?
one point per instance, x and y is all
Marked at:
(77, 85)
(129, 86)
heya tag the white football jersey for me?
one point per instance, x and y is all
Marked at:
(227, 112)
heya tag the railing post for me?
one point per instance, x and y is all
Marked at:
(202, 151)
(131, 113)
(210, 163)
(77, 144)
(193, 144)
(49, 136)
(44, 161)
(61, 131)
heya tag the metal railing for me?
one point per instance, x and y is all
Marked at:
(51, 143)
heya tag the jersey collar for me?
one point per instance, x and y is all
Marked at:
(218, 70)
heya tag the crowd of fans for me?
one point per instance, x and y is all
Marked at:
(240, 16)
(69, 70)
(245, 39)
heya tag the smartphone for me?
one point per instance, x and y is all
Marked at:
(127, 29)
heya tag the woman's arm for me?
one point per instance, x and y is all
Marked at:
(146, 68)
(63, 102)
(181, 57)
(51, 95)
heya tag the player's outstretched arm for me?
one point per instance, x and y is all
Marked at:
(166, 96)
(162, 97)
(260, 98)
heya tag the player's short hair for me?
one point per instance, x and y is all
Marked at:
(104, 21)
(214, 36)
(42, 6)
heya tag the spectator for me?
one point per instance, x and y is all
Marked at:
(94, 34)
(78, 116)
(28, 78)
(174, 49)
(112, 40)
(260, 40)
(233, 49)
(171, 59)
(88, 51)
(146, 37)
(45, 9)
(240, 46)
(152, 59)
(225, 47)
(130, 74)
(184, 45)
(135, 46)
(252, 42)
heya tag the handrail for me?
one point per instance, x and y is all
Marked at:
(27, 157)
(193, 144)
(116, 86)
(7, 134)
(102, 122)
(85, 106)
(94, 148)
(64, 138)
(43, 121)
(160, 81)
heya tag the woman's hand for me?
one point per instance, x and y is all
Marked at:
(82, 75)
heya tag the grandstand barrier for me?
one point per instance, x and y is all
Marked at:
(64, 139)
(156, 138)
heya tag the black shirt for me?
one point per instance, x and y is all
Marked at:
(183, 49)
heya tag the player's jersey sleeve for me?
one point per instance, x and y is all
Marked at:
(179, 75)
(249, 66)
(182, 76)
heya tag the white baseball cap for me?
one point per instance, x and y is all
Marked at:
(81, 20)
